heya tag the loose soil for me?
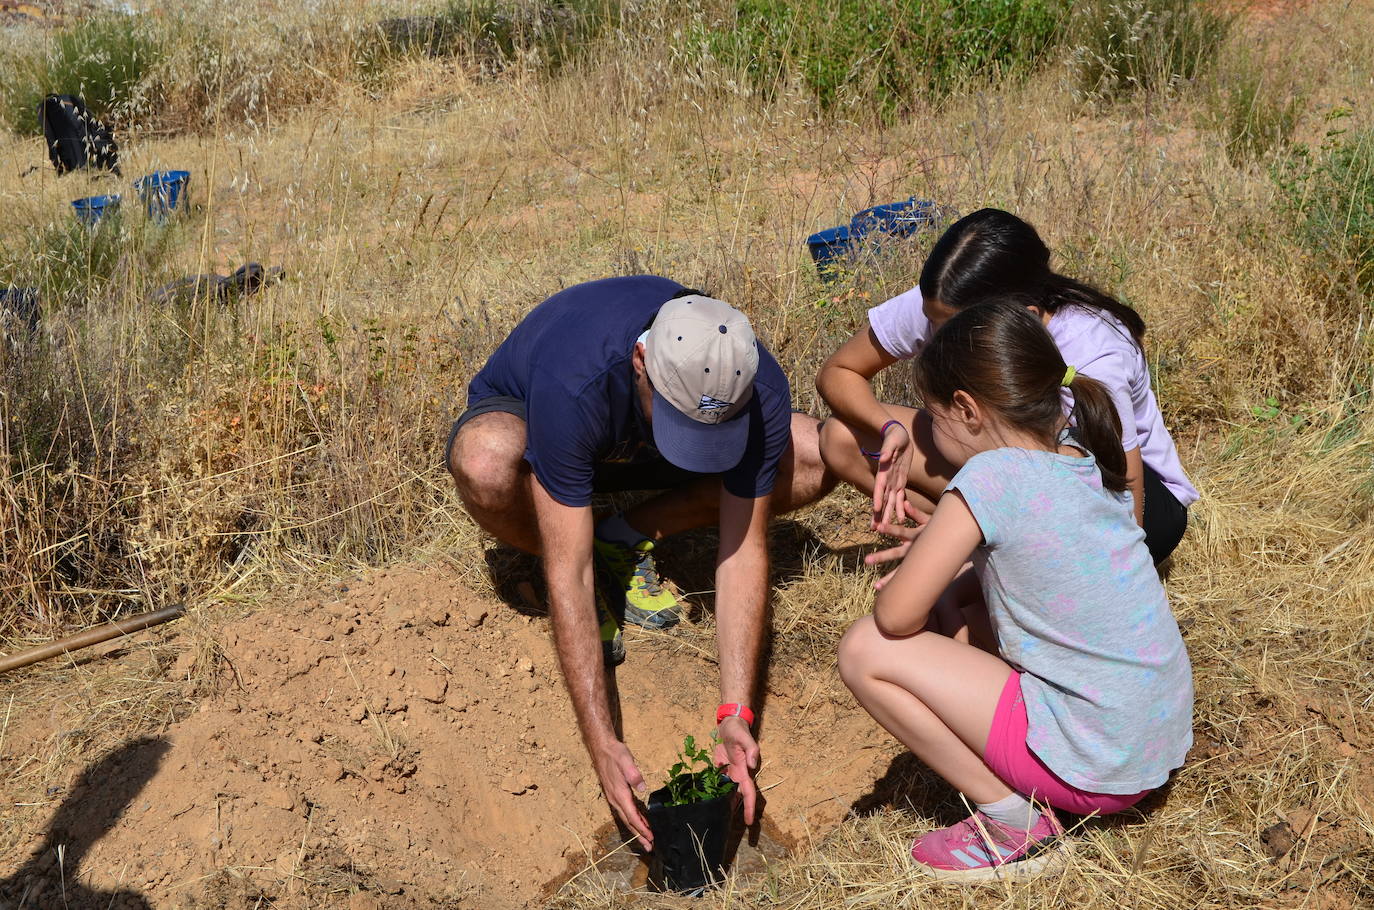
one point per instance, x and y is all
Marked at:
(400, 742)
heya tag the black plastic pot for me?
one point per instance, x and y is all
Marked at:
(689, 841)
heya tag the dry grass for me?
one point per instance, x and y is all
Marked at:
(220, 454)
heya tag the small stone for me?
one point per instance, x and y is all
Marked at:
(388, 669)
(357, 713)
(322, 633)
(438, 616)
(310, 735)
(515, 785)
(1303, 822)
(186, 662)
(525, 665)
(476, 615)
(431, 687)
(389, 886)
(331, 769)
(344, 627)
(279, 798)
(1278, 839)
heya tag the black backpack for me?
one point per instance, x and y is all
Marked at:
(75, 139)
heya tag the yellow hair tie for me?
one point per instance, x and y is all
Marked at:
(1069, 374)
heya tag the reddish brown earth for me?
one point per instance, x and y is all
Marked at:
(401, 743)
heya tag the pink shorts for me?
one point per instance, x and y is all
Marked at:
(1012, 760)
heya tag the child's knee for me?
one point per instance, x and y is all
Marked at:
(837, 443)
(855, 657)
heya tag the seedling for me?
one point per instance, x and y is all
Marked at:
(688, 783)
(691, 817)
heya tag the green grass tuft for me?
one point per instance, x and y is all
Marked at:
(105, 60)
(1122, 46)
(1331, 192)
(881, 54)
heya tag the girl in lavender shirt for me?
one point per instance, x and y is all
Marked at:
(886, 449)
(1080, 697)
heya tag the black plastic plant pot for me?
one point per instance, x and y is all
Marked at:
(689, 841)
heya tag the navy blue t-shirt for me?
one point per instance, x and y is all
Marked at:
(569, 361)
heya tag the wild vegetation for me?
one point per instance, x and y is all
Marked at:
(1212, 164)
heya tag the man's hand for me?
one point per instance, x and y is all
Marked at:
(620, 777)
(738, 750)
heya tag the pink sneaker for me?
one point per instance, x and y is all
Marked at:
(979, 848)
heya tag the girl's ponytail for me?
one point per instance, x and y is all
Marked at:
(1098, 427)
(1001, 354)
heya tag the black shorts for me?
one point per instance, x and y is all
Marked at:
(607, 477)
(1165, 518)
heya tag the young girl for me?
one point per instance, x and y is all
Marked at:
(1086, 704)
(886, 449)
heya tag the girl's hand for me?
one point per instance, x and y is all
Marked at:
(889, 487)
(932, 556)
(891, 554)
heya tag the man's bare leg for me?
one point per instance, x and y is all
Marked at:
(802, 479)
(487, 461)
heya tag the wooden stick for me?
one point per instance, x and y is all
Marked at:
(92, 636)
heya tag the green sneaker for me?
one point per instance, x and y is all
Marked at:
(612, 641)
(631, 570)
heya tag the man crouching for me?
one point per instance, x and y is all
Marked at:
(638, 383)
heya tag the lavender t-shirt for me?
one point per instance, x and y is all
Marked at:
(1077, 606)
(1093, 343)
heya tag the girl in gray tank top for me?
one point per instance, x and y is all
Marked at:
(1024, 648)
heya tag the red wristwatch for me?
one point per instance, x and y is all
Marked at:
(734, 710)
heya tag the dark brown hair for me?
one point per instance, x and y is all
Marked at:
(992, 253)
(1000, 354)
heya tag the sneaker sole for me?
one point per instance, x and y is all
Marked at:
(613, 653)
(1045, 862)
(657, 620)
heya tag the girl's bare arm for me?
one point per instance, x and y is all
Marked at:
(934, 560)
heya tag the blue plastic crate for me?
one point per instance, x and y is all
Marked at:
(162, 192)
(91, 209)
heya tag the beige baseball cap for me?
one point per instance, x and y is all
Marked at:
(701, 356)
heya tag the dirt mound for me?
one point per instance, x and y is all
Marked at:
(410, 744)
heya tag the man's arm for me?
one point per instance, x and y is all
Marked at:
(741, 618)
(566, 538)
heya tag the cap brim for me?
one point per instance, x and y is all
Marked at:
(705, 448)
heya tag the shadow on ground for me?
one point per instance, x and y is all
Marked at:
(51, 876)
